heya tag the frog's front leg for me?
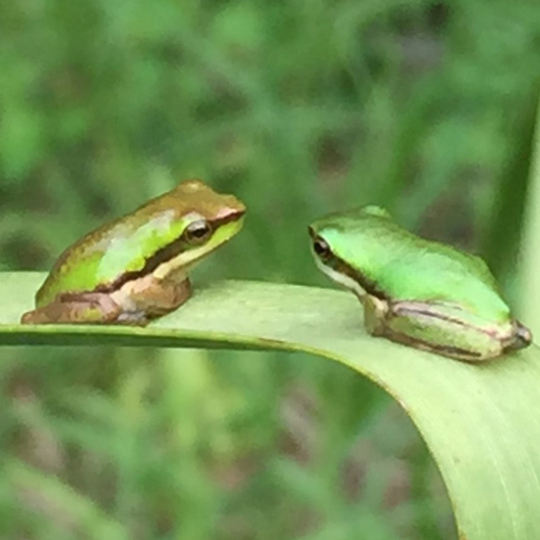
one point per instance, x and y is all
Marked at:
(151, 297)
(375, 311)
(439, 328)
(80, 308)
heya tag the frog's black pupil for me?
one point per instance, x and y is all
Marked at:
(321, 248)
(198, 230)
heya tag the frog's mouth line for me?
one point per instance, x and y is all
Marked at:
(165, 254)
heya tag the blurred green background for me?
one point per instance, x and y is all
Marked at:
(299, 107)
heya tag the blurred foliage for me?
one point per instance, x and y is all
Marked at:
(298, 107)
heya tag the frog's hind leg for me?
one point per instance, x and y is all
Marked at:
(434, 328)
(80, 308)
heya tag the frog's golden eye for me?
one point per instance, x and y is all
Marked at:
(322, 249)
(197, 232)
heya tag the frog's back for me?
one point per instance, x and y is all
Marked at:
(404, 266)
(80, 268)
(435, 272)
(98, 259)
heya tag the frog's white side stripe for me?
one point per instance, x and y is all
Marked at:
(342, 279)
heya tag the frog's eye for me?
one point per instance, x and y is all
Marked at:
(322, 249)
(197, 232)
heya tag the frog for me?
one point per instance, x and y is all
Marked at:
(135, 268)
(416, 292)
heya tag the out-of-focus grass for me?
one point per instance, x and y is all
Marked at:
(299, 108)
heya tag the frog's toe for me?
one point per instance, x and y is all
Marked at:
(522, 338)
(133, 318)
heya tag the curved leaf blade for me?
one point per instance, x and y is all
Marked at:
(479, 421)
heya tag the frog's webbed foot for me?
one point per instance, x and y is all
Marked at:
(521, 338)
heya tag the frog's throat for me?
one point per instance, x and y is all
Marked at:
(169, 255)
(344, 274)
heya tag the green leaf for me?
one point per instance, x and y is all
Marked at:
(530, 276)
(479, 421)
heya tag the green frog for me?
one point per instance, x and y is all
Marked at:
(416, 292)
(136, 268)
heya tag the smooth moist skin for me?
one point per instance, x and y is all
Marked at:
(135, 268)
(416, 292)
